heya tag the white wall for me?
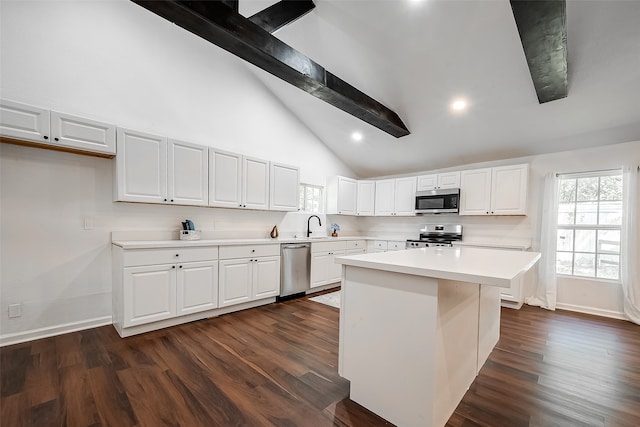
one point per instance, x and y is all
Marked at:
(592, 296)
(116, 62)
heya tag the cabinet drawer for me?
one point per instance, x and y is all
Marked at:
(380, 244)
(168, 255)
(248, 251)
(328, 246)
(356, 244)
(394, 245)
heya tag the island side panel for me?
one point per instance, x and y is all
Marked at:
(456, 345)
(488, 322)
(388, 343)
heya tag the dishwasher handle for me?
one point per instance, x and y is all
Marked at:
(296, 246)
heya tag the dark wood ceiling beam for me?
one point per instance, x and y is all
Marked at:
(233, 4)
(282, 13)
(543, 31)
(222, 26)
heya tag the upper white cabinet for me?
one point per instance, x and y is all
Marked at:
(225, 179)
(439, 181)
(284, 187)
(152, 169)
(141, 167)
(187, 177)
(56, 130)
(494, 191)
(395, 197)
(237, 181)
(342, 195)
(365, 198)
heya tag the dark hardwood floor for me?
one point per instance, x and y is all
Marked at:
(277, 366)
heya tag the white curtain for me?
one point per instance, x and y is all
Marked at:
(546, 288)
(629, 251)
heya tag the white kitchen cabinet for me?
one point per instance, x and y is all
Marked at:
(284, 182)
(324, 270)
(141, 167)
(153, 169)
(438, 181)
(153, 286)
(56, 130)
(225, 179)
(196, 287)
(395, 245)
(248, 273)
(255, 179)
(187, 174)
(509, 190)
(395, 197)
(365, 198)
(494, 191)
(342, 195)
(237, 181)
(149, 294)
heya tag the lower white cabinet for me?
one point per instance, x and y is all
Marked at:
(149, 294)
(244, 279)
(324, 269)
(160, 284)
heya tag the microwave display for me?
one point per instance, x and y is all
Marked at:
(437, 201)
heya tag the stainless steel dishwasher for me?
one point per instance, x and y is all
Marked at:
(295, 268)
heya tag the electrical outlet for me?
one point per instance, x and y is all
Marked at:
(15, 310)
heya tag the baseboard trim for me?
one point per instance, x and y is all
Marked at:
(35, 334)
(591, 310)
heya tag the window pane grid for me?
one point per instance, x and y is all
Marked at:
(310, 198)
(589, 218)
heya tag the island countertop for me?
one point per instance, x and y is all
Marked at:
(466, 264)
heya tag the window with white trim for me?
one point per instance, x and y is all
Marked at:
(311, 198)
(589, 224)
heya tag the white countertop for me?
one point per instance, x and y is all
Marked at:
(150, 244)
(467, 264)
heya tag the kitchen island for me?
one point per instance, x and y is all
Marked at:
(416, 326)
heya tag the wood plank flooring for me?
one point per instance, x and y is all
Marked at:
(277, 366)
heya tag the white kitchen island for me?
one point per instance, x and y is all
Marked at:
(416, 326)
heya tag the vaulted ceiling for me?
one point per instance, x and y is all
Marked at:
(417, 57)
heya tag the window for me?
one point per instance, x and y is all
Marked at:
(310, 198)
(589, 222)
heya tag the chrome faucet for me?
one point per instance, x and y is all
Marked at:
(309, 220)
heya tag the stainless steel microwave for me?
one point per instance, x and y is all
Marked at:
(437, 201)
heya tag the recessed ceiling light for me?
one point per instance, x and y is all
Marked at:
(459, 105)
(356, 136)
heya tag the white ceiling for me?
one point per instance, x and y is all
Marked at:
(416, 57)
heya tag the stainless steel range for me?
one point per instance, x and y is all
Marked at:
(436, 235)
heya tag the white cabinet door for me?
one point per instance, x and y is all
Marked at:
(366, 196)
(266, 277)
(347, 191)
(255, 191)
(225, 179)
(82, 134)
(475, 192)
(187, 173)
(356, 251)
(385, 197)
(335, 270)
(235, 281)
(509, 190)
(320, 268)
(24, 122)
(405, 196)
(284, 182)
(141, 167)
(427, 182)
(149, 294)
(449, 180)
(197, 287)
